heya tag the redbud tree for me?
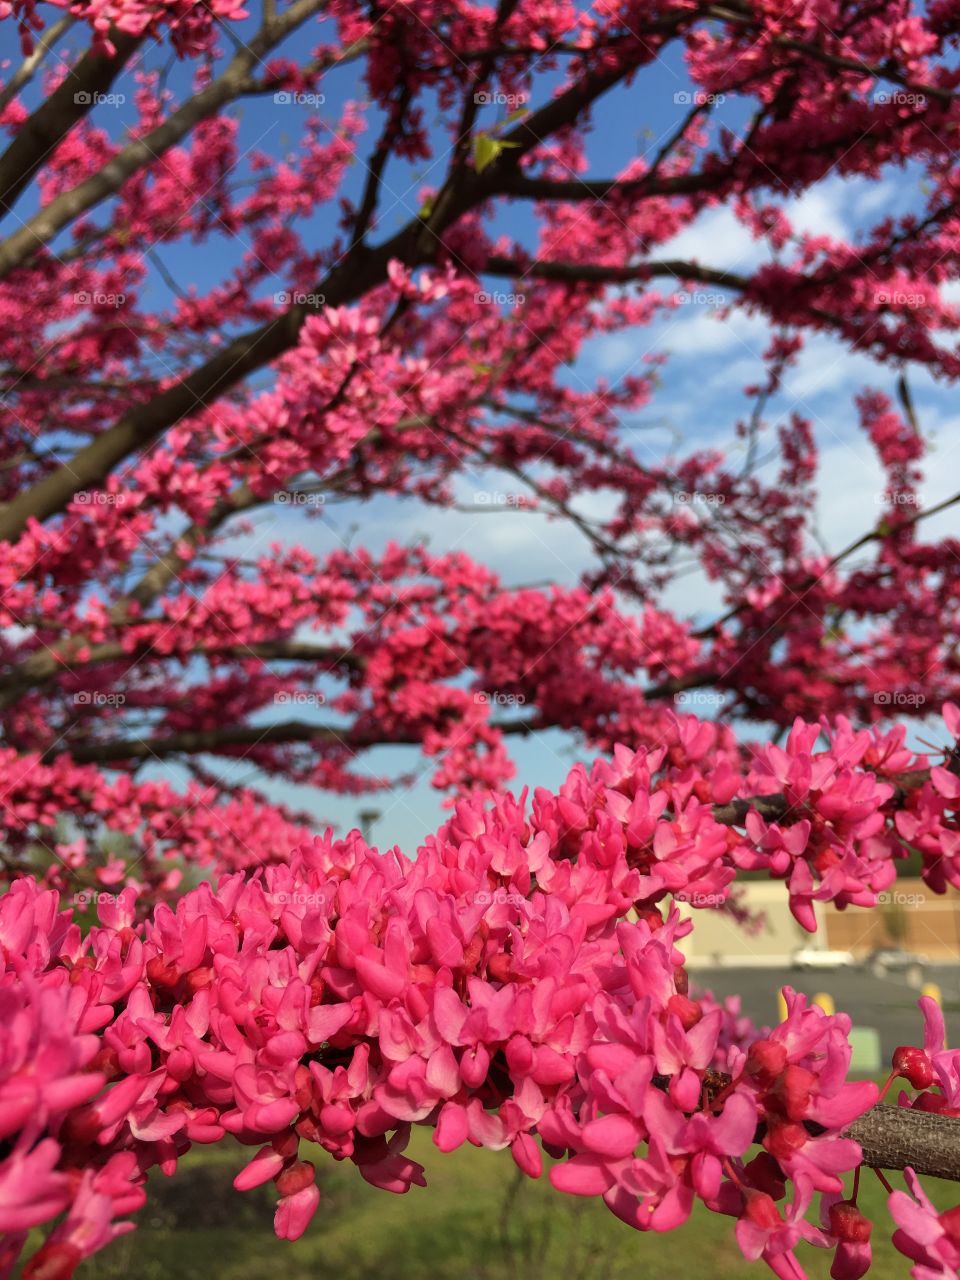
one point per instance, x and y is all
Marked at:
(383, 306)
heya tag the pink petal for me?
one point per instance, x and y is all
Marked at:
(294, 1213)
(582, 1176)
(612, 1136)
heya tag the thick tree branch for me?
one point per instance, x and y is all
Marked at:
(776, 806)
(592, 273)
(28, 68)
(890, 1137)
(144, 150)
(358, 272)
(521, 187)
(212, 741)
(73, 98)
(898, 1137)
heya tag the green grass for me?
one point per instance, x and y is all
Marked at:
(477, 1220)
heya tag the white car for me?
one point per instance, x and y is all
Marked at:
(821, 958)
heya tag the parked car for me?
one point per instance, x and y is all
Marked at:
(894, 958)
(820, 958)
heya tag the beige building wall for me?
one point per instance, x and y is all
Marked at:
(908, 916)
(717, 939)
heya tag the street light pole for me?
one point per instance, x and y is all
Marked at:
(366, 818)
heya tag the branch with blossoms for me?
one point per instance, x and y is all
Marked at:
(518, 985)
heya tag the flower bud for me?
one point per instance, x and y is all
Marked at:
(914, 1065)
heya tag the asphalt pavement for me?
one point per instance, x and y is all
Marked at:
(886, 1003)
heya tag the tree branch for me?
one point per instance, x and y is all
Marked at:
(591, 273)
(73, 99)
(27, 69)
(898, 1137)
(211, 741)
(142, 151)
(354, 275)
(40, 668)
(525, 188)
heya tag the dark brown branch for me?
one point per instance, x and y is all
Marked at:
(73, 99)
(529, 132)
(144, 150)
(392, 130)
(592, 273)
(355, 274)
(27, 69)
(212, 741)
(523, 188)
(890, 1137)
(195, 741)
(776, 806)
(895, 1137)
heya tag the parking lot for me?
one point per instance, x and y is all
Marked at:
(885, 1003)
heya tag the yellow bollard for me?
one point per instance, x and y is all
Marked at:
(781, 1007)
(825, 1001)
(931, 989)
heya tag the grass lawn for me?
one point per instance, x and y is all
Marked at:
(476, 1220)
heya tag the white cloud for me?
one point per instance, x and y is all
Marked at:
(696, 331)
(716, 239)
(825, 366)
(821, 211)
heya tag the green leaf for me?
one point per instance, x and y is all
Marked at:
(486, 150)
(426, 208)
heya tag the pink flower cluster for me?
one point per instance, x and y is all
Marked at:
(515, 981)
